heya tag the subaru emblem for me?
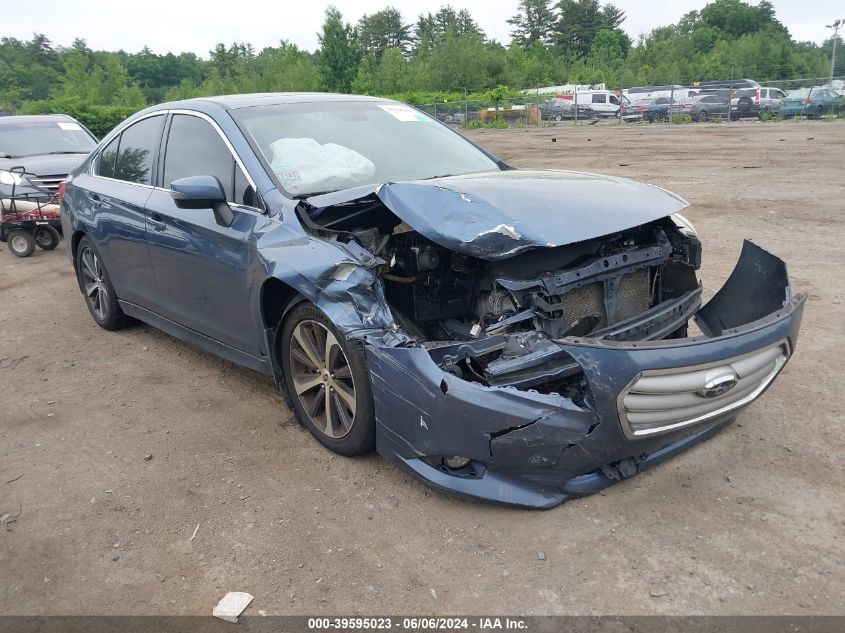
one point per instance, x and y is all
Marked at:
(719, 385)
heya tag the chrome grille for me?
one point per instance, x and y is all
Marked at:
(50, 183)
(664, 400)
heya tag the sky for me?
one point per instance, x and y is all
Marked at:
(197, 25)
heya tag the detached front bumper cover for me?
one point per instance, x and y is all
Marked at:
(647, 400)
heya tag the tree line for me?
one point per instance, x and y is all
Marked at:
(438, 56)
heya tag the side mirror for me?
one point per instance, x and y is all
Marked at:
(201, 192)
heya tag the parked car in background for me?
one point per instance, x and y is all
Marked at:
(47, 146)
(640, 93)
(603, 102)
(748, 102)
(519, 336)
(723, 84)
(702, 107)
(36, 154)
(561, 109)
(812, 102)
(651, 110)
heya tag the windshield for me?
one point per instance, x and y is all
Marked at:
(321, 147)
(33, 138)
(800, 93)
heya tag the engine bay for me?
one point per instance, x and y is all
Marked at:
(493, 321)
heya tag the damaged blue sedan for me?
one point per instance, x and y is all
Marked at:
(518, 336)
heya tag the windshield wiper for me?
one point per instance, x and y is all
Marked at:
(62, 152)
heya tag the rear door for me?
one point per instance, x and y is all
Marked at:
(200, 267)
(715, 105)
(112, 200)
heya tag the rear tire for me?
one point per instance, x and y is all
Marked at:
(97, 288)
(21, 243)
(47, 238)
(702, 117)
(327, 381)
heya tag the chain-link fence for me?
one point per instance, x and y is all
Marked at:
(728, 101)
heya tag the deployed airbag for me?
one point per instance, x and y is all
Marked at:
(303, 165)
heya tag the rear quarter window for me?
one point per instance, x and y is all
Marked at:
(105, 162)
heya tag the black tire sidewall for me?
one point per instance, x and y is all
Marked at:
(29, 239)
(54, 237)
(361, 438)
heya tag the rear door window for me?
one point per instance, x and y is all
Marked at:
(138, 145)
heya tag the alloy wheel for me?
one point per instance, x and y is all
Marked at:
(322, 378)
(93, 280)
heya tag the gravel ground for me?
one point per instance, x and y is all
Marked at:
(752, 521)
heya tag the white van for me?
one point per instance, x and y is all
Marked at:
(603, 102)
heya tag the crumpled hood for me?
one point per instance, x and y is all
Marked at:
(495, 215)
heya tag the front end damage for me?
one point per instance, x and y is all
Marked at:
(549, 373)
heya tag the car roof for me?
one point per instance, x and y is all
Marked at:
(235, 102)
(35, 118)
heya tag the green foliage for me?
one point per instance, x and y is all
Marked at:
(439, 58)
(339, 53)
(382, 31)
(533, 23)
(498, 124)
(681, 118)
(579, 23)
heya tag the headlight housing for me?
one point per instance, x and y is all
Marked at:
(684, 225)
(10, 177)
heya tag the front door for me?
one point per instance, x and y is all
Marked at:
(201, 268)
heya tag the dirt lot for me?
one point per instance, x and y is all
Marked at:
(752, 521)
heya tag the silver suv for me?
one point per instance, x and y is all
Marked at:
(747, 102)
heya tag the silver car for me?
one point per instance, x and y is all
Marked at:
(748, 102)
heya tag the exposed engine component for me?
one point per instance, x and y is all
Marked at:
(607, 282)
(494, 304)
(588, 288)
(426, 282)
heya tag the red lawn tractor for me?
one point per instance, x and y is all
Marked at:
(29, 215)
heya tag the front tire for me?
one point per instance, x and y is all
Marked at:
(47, 238)
(327, 381)
(97, 288)
(21, 243)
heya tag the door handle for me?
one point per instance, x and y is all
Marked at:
(157, 223)
(96, 201)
